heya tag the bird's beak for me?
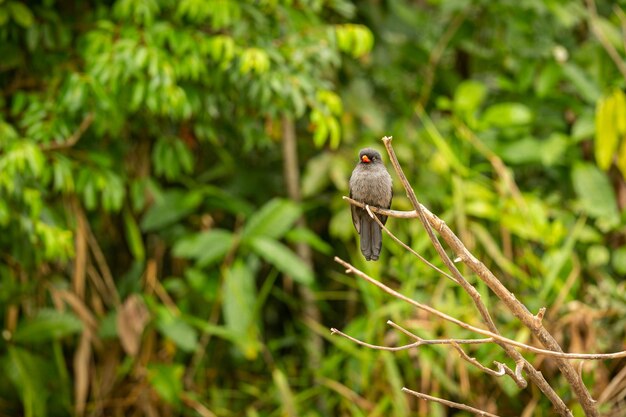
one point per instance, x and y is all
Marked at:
(365, 159)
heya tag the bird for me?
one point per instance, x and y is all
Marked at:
(371, 184)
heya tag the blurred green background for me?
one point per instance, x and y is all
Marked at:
(171, 175)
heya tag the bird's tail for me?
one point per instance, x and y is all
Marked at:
(371, 238)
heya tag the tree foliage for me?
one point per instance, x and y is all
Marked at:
(148, 246)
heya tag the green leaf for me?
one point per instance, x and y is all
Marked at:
(595, 193)
(523, 151)
(548, 79)
(272, 220)
(47, 325)
(133, 236)
(4, 15)
(239, 296)
(177, 330)
(167, 381)
(202, 283)
(507, 114)
(598, 255)
(553, 148)
(205, 247)
(618, 260)
(21, 14)
(27, 372)
(468, 97)
(307, 236)
(172, 207)
(606, 132)
(316, 177)
(282, 258)
(587, 88)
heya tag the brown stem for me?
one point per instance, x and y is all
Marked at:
(452, 404)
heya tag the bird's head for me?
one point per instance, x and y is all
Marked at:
(369, 155)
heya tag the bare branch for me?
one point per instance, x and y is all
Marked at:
(473, 361)
(350, 269)
(439, 341)
(451, 404)
(377, 347)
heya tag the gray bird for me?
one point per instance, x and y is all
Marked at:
(370, 183)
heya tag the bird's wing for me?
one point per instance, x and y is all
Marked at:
(355, 216)
(383, 219)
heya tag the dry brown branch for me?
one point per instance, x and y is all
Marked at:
(452, 404)
(438, 341)
(508, 298)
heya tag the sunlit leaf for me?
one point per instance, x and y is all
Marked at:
(606, 131)
(282, 258)
(239, 296)
(507, 114)
(177, 330)
(310, 238)
(167, 381)
(595, 192)
(21, 14)
(272, 220)
(206, 247)
(469, 95)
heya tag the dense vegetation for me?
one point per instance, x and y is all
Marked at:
(171, 175)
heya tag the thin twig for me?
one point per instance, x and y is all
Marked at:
(452, 404)
(376, 347)
(418, 343)
(474, 361)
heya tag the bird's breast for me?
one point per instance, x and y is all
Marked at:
(371, 186)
